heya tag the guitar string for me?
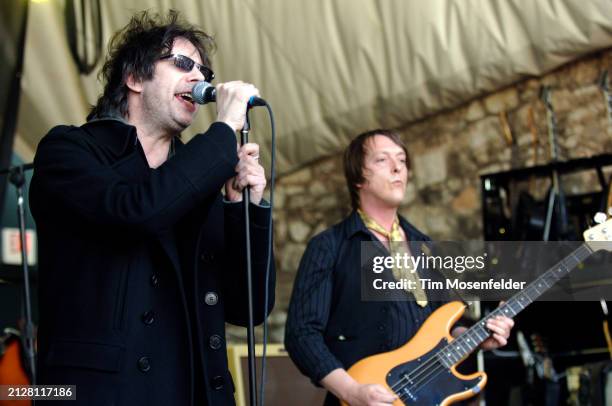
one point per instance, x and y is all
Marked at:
(438, 367)
(422, 368)
(435, 362)
(432, 361)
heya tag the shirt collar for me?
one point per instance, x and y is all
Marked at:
(114, 133)
(117, 134)
(354, 224)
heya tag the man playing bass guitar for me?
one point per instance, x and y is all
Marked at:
(329, 328)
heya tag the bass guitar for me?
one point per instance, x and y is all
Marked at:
(423, 372)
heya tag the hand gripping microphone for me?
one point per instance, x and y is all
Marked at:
(203, 92)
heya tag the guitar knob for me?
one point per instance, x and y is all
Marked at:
(600, 218)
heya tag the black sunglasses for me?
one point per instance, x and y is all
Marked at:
(186, 64)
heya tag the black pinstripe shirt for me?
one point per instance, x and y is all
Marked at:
(328, 325)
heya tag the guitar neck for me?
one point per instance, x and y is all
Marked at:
(605, 88)
(608, 101)
(552, 134)
(469, 340)
(551, 119)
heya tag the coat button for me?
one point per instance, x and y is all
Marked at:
(148, 317)
(207, 257)
(144, 364)
(215, 341)
(381, 327)
(154, 280)
(211, 298)
(217, 382)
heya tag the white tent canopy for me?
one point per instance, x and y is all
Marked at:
(332, 68)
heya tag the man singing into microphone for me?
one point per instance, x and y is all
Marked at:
(142, 259)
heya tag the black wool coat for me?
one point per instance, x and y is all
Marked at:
(140, 268)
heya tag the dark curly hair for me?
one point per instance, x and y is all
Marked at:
(134, 50)
(354, 159)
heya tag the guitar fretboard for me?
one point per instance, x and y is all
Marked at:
(469, 340)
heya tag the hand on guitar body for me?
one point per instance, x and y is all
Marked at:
(370, 395)
(341, 384)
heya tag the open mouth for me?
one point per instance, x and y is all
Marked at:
(187, 100)
(186, 96)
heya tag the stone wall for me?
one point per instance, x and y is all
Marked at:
(449, 152)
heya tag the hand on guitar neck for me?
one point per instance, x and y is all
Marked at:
(499, 327)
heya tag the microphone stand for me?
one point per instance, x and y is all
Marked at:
(17, 178)
(244, 138)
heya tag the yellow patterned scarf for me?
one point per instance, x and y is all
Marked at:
(397, 245)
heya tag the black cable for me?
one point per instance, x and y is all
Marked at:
(269, 255)
(251, 325)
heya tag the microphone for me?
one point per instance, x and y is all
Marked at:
(203, 92)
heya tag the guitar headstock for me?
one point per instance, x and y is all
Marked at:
(603, 81)
(597, 237)
(545, 96)
(604, 85)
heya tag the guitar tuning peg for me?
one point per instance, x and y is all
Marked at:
(600, 218)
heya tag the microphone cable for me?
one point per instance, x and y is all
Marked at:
(269, 255)
(201, 96)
